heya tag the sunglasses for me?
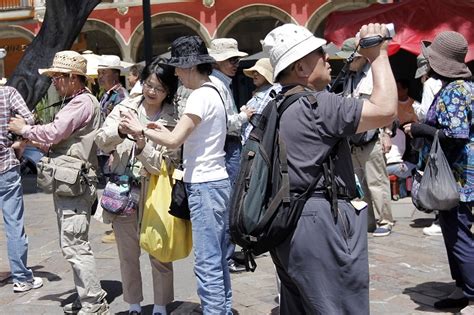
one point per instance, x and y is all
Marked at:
(234, 60)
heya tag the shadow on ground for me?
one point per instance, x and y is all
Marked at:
(52, 277)
(426, 294)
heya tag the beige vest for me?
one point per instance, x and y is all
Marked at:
(80, 144)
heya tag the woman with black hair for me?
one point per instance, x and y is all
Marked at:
(124, 141)
(202, 130)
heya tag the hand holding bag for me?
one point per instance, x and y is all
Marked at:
(162, 235)
(436, 189)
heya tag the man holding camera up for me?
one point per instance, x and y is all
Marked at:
(11, 192)
(323, 265)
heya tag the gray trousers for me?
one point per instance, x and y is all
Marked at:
(371, 169)
(73, 214)
(323, 266)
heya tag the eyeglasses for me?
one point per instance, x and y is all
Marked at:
(150, 87)
(56, 78)
(234, 60)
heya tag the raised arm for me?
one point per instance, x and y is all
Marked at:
(381, 108)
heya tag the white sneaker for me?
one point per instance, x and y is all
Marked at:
(34, 283)
(432, 230)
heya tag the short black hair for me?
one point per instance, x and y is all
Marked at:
(204, 68)
(165, 75)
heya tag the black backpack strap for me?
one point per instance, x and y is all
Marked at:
(283, 195)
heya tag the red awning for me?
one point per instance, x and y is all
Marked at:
(415, 20)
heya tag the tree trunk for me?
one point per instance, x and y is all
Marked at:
(62, 24)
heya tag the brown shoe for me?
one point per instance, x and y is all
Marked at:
(108, 238)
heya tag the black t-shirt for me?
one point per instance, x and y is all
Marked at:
(310, 131)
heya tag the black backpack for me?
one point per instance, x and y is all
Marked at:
(263, 213)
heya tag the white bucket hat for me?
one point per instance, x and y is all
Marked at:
(224, 48)
(67, 61)
(110, 62)
(287, 44)
(263, 67)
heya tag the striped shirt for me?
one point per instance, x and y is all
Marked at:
(11, 104)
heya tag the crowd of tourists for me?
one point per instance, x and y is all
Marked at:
(180, 113)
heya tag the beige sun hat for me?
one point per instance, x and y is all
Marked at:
(67, 61)
(110, 62)
(263, 67)
(224, 48)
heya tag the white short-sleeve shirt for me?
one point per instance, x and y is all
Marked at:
(203, 155)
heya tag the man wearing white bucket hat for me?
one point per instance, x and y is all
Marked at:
(323, 265)
(69, 139)
(227, 55)
(108, 76)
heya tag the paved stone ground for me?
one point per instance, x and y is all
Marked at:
(408, 271)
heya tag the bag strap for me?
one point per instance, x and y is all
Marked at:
(223, 103)
(283, 195)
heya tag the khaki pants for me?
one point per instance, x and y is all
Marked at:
(127, 238)
(73, 214)
(371, 169)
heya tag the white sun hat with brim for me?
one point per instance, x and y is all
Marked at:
(289, 43)
(225, 48)
(263, 67)
(67, 61)
(110, 62)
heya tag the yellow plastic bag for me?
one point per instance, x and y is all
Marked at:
(162, 235)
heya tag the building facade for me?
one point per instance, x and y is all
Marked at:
(116, 27)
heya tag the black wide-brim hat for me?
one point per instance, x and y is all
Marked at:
(188, 51)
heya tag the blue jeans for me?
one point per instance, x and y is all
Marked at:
(209, 218)
(11, 203)
(233, 151)
(401, 170)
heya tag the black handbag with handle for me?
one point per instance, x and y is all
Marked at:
(436, 188)
(179, 206)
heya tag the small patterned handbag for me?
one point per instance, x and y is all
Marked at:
(122, 192)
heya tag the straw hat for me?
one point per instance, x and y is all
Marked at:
(67, 61)
(289, 43)
(263, 67)
(446, 55)
(225, 48)
(188, 51)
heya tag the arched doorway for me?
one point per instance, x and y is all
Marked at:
(14, 40)
(166, 27)
(162, 37)
(250, 24)
(102, 39)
